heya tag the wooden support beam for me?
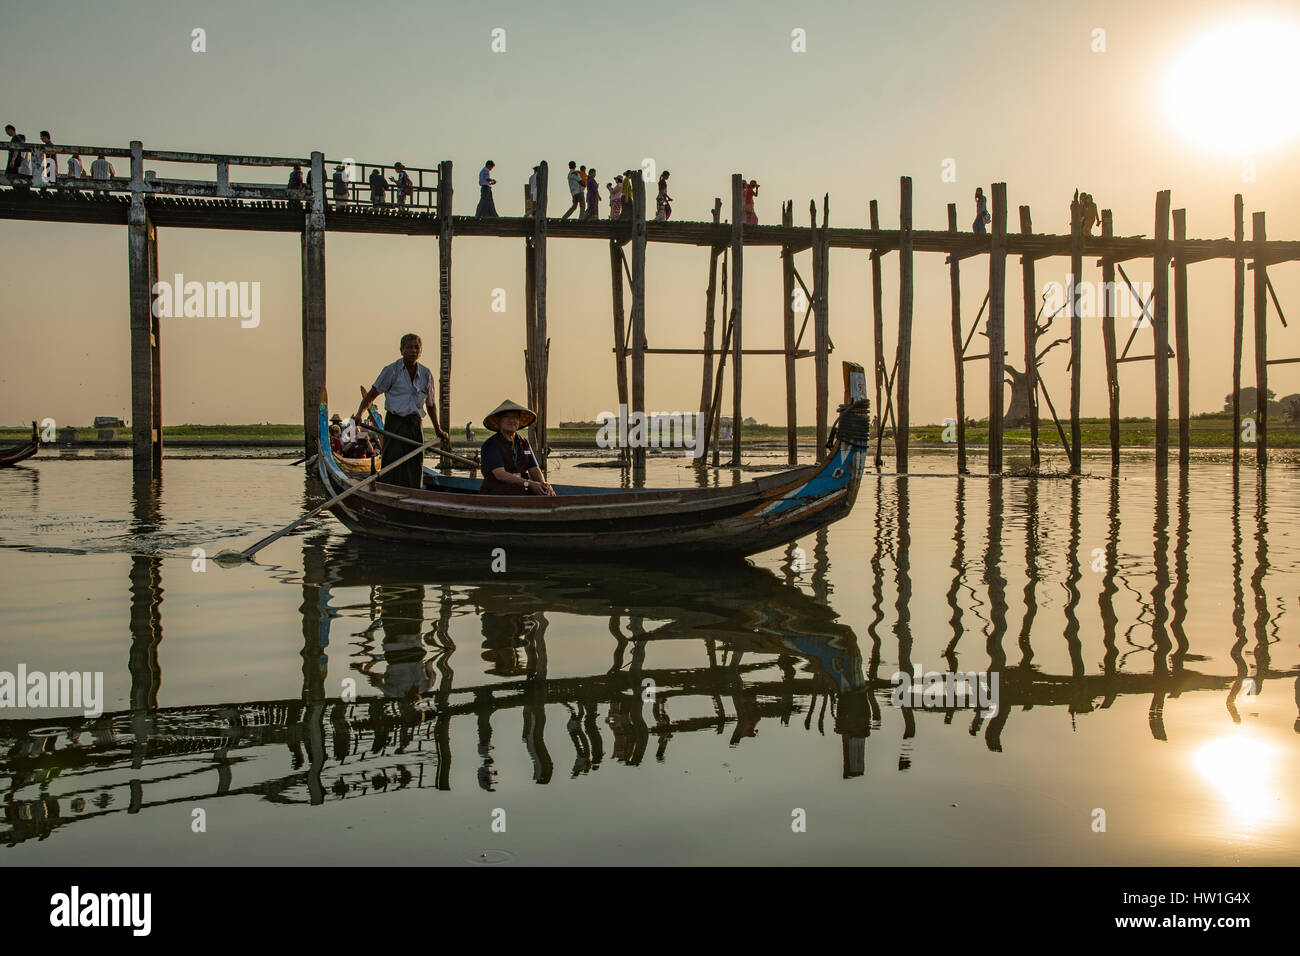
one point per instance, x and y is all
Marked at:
(904, 351)
(821, 322)
(313, 304)
(1029, 292)
(541, 344)
(1258, 236)
(1181, 346)
(146, 372)
(877, 323)
(959, 366)
(710, 299)
(1109, 344)
(638, 313)
(997, 325)
(1160, 263)
(1076, 336)
(737, 265)
(620, 333)
(444, 295)
(787, 326)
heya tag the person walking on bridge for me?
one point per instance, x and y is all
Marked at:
(101, 169)
(575, 192)
(407, 387)
(486, 207)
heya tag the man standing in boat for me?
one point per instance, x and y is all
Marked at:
(407, 387)
(509, 467)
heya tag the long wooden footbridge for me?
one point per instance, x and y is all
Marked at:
(143, 202)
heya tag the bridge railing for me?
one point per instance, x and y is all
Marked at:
(354, 190)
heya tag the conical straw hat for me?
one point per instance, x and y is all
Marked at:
(526, 416)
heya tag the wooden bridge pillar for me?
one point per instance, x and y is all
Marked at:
(710, 322)
(1181, 355)
(997, 325)
(146, 345)
(821, 321)
(1108, 342)
(313, 303)
(444, 294)
(1076, 337)
(616, 266)
(1029, 292)
(1160, 282)
(539, 348)
(959, 365)
(788, 333)
(1238, 321)
(737, 263)
(904, 357)
(1257, 234)
(638, 313)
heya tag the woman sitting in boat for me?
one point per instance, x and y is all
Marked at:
(509, 467)
(336, 440)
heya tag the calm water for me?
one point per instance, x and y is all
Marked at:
(340, 703)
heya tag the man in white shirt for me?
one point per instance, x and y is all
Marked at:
(407, 387)
(575, 191)
(101, 168)
(486, 207)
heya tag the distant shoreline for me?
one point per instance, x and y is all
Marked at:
(1206, 431)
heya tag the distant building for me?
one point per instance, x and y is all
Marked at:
(108, 421)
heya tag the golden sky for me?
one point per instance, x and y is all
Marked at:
(1008, 91)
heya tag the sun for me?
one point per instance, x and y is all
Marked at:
(1234, 89)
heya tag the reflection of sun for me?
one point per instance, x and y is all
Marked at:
(1233, 90)
(1241, 769)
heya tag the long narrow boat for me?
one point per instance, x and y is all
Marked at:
(16, 453)
(744, 519)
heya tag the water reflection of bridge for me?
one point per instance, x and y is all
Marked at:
(770, 648)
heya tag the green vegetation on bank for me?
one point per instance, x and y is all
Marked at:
(1207, 431)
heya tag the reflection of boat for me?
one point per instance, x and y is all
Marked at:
(16, 453)
(744, 519)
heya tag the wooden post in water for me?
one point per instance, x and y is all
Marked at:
(737, 263)
(541, 343)
(710, 298)
(1257, 234)
(959, 365)
(444, 295)
(638, 314)
(1180, 344)
(878, 321)
(904, 373)
(1029, 292)
(1238, 321)
(997, 325)
(1161, 316)
(1108, 342)
(620, 333)
(146, 352)
(787, 324)
(821, 321)
(1076, 336)
(313, 304)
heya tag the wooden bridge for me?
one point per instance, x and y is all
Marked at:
(143, 202)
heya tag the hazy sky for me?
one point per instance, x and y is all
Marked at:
(1011, 91)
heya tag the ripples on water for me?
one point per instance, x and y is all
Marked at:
(1142, 634)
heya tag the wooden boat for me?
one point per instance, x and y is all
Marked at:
(744, 519)
(16, 453)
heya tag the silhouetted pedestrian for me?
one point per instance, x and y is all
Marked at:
(295, 177)
(750, 193)
(11, 167)
(486, 208)
(378, 188)
(593, 195)
(340, 184)
(575, 192)
(663, 207)
(982, 217)
(405, 188)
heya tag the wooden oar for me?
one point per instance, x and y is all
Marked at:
(412, 441)
(232, 557)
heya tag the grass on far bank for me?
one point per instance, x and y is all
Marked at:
(1207, 431)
